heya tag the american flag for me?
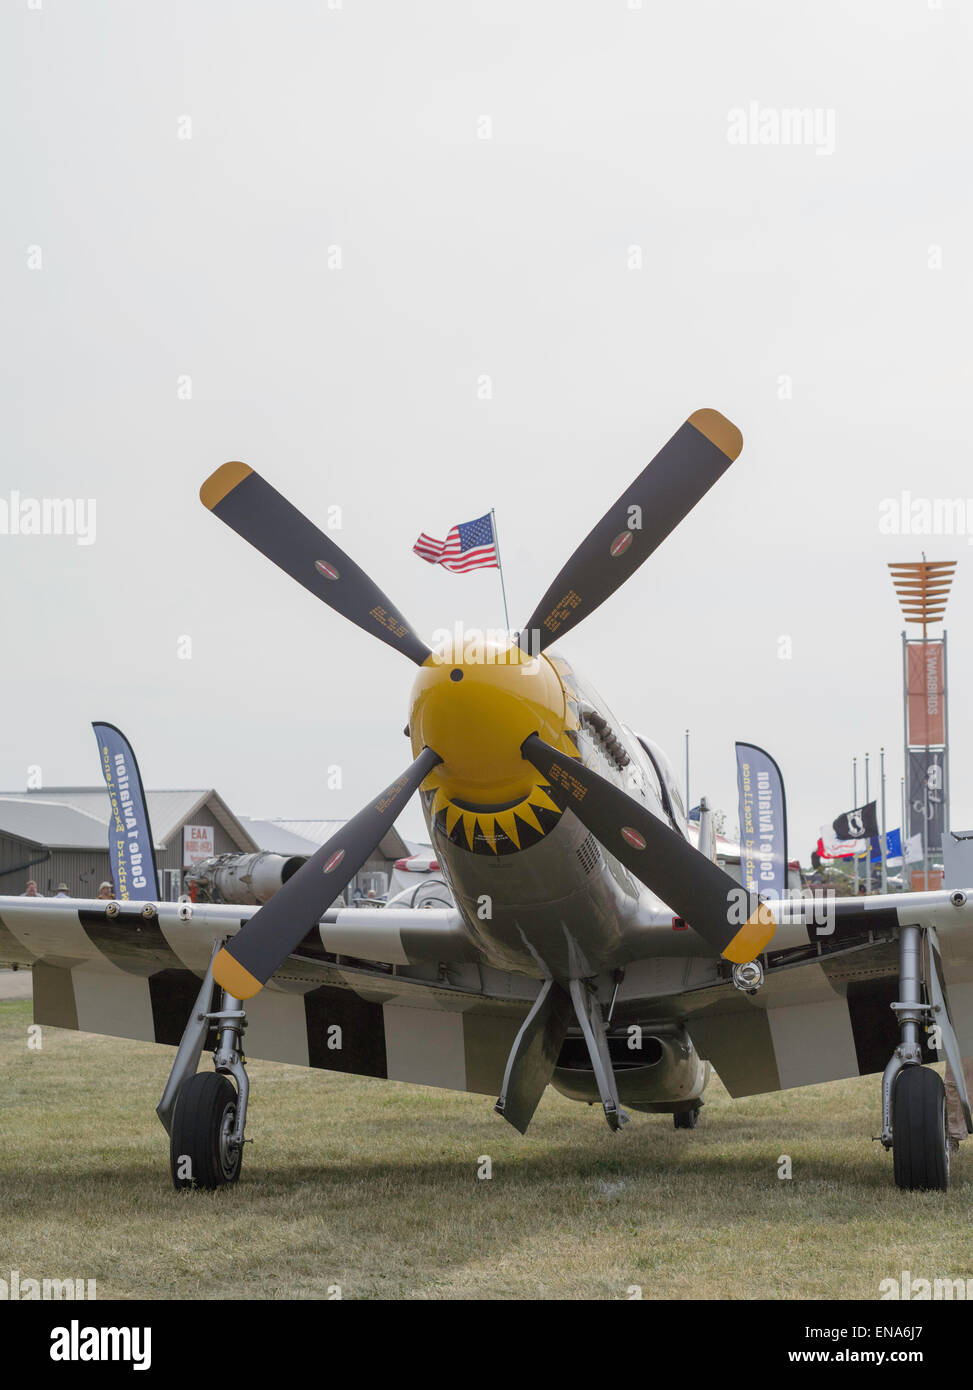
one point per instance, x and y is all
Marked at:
(469, 546)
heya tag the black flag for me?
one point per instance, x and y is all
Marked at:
(860, 824)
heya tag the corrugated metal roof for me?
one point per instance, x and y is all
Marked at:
(418, 847)
(271, 836)
(168, 810)
(52, 824)
(315, 830)
(392, 844)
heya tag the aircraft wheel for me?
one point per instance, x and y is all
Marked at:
(199, 1151)
(920, 1131)
(686, 1119)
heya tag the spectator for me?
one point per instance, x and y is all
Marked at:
(106, 890)
(31, 890)
(62, 891)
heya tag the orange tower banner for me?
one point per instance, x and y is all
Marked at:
(926, 694)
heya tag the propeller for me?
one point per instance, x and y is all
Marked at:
(272, 525)
(681, 473)
(660, 497)
(246, 964)
(697, 889)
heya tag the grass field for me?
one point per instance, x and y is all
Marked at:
(373, 1186)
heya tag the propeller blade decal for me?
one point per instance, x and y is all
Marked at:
(698, 890)
(681, 473)
(247, 962)
(258, 513)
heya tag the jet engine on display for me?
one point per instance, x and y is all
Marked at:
(241, 878)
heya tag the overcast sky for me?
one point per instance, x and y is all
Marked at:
(490, 174)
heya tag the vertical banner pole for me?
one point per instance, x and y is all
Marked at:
(945, 740)
(884, 842)
(906, 782)
(925, 780)
(868, 852)
(854, 802)
(503, 587)
(131, 852)
(688, 802)
(763, 822)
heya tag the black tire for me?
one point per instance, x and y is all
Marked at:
(920, 1131)
(686, 1119)
(205, 1113)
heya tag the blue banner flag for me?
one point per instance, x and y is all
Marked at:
(893, 847)
(763, 821)
(129, 833)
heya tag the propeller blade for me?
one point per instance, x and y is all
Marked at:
(258, 513)
(247, 962)
(681, 473)
(714, 905)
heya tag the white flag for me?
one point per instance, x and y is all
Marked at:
(913, 849)
(835, 848)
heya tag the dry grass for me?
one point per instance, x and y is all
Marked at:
(373, 1185)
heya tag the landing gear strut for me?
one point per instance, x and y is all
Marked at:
(688, 1118)
(204, 1113)
(914, 1124)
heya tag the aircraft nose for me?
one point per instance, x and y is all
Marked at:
(476, 710)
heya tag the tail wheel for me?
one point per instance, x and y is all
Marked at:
(200, 1154)
(920, 1131)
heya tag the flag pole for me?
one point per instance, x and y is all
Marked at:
(688, 803)
(884, 842)
(503, 587)
(868, 852)
(854, 782)
(906, 763)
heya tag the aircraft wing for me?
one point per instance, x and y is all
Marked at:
(822, 1013)
(401, 993)
(343, 1001)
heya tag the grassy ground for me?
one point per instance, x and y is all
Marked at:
(373, 1186)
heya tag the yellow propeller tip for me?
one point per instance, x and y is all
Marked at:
(224, 480)
(235, 978)
(755, 934)
(719, 431)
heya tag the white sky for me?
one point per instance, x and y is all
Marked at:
(462, 257)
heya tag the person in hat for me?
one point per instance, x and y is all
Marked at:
(106, 890)
(62, 891)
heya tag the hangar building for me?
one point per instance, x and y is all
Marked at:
(60, 835)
